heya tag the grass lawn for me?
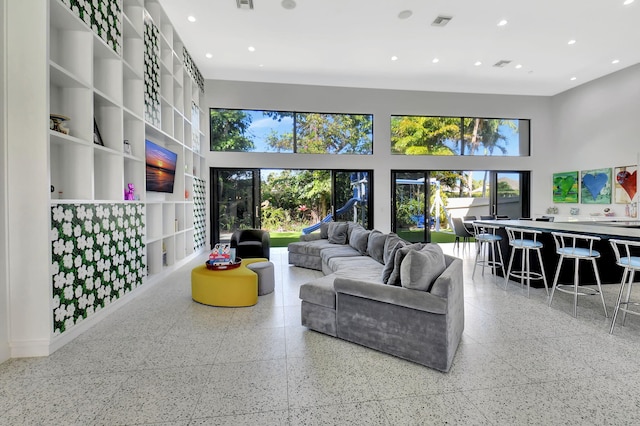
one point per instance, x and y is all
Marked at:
(282, 239)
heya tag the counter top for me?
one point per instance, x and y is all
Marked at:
(629, 229)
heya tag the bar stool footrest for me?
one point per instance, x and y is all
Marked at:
(582, 290)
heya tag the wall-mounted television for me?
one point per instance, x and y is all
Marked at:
(160, 167)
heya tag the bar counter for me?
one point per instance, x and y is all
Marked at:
(610, 273)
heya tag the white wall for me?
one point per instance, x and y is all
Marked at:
(381, 103)
(596, 125)
(27, 181)
(4, 291)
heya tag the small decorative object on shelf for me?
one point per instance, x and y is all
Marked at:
(186, 194)
(56, 122)
(608, 212)
(126, 148)
(129, 193)
(97, 139)
(574, 211)
(552, 210)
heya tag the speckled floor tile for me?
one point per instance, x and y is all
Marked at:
(326, 381)
(361, 413)
(244, 388)
(257, 317)
(267, 418)
(251, 344)
(525, 405)
(450, 409)
(175, 350)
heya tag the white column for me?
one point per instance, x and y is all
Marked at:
(27, 183)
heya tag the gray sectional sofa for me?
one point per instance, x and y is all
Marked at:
(382, 292)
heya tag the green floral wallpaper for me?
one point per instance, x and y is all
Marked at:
(199, 213)
(98, 256)
(104, 17)
(192, 69)
(151, 72)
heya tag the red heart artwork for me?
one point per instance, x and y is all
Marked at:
(628, 182)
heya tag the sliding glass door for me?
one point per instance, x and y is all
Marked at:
(236, 195)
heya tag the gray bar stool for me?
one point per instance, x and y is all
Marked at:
(525, 240)
(577, 247)
(487, 240)
(623, 251)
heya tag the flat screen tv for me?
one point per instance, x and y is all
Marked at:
(161, 167)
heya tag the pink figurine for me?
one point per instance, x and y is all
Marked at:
(128, 193)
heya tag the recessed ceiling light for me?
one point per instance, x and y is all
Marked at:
(435, 60)
(572, 79)
(615, 61)
(627, 2)
(518, 66)
(570, 42)
(477, 63)
(209, 55)
(191, 18)
(394, 58)
(288, 4)
(251, 49)
(405, 14)
(502, 23)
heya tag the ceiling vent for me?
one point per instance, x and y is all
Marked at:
(441, 21)
(245, 4)
(501, 64)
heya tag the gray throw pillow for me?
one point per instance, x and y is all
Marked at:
(338, 232)
(375, 248)
(394, 278)
(324, 230)
(388, 266)
(358, 239)
(351, 227)
(420, 268)
(389, 245)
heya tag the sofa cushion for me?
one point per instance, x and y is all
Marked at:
(388, 266)
(319, 291)
(324, 230)
(419, 269)
(338, 251)
(359, 238)
(394, 278)
(389, 244)
(338, 232)
(375, 247)
(311, 248)
(361, 267)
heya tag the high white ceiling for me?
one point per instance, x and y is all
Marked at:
(350, 42)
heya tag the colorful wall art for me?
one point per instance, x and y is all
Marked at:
(625, 184)
(565, 187)
(596, 186)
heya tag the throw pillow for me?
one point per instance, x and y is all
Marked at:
(338, 232)
(324, 230)
(351, 227)
(394, 278)
(388, 266)
(419, 269)
(389, 245)
(359, 239)
(375, 248)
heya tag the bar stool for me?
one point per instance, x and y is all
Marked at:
(525, 240)
(631, 264)
(572, 246)
(487, 240)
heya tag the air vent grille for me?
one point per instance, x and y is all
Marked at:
(441, 21)
(502, 63)
(244, 4)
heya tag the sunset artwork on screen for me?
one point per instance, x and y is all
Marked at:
(161, 167)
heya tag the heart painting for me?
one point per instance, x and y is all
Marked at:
(565, 187)
(596, 186)
(626, 184)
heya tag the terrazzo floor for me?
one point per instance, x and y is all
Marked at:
(164, 359)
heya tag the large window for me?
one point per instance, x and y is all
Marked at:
(416, 135)
(290, 132)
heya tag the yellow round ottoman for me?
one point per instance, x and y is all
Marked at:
(234, 287)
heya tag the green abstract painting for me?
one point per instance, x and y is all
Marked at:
(565, 187)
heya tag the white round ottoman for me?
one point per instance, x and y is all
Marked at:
(266, 280)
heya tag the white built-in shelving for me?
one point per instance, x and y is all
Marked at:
(92, 83)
